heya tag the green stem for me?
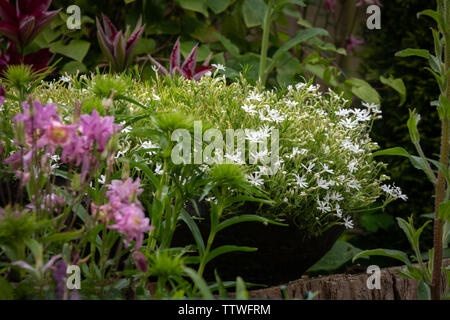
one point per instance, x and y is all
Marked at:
(265, 45)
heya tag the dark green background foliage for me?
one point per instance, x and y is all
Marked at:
(400, 30)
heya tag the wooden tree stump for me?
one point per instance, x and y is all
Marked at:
(348, 287)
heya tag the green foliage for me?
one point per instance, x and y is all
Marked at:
(379, 60)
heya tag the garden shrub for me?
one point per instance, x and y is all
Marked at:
(326, 169)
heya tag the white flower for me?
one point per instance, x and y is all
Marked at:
(342, 112)
(348, 223)
(354, 184)
(255, 96)
(255, 179)
(394, 192)
(158, 169)
(309, 168)
(300, 181)
(235, 158)
(323, 206)
(219, 66)
(249, 109)
(155, 97)
(348, 123)
(260, 155)
(300, 85)
(65, 79)
(326, 169)
(149, 145)
(352, 166)
(101, 179)
(336, 196)
(291, 103)
(362, 115)
(322, 183)
(338, 210)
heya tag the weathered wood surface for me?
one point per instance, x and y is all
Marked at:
(348, 287)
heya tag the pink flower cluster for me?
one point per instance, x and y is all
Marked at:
(80, 142)
(125, 210)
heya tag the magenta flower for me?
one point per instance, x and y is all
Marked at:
(353, 43)
(115, 44)
(21, 24)
(330, 5)
(368, 2)
(130, 220)
(187, 69)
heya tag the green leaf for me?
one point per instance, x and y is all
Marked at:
(186, 217)
(194, 5)
(397, 151)
(63, 236)
(396, 84)
(423, 291)
(241, 290)
(254, 12)
(434, 15)
(444, 210)
(76, 49)
(218, 6)
(413, 52)
(6, 290)
(222, 290)
(72, 67)
(245, 218)
(339, 254)
(199, 283)
(395, 254)
(363, 90)
(229, 46)
(227, 249)
(36, 249)
(301, 36)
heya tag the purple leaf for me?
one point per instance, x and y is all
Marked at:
(175, 57)
(189, 64)
(201, 71)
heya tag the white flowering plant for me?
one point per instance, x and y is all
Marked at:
(325, 174)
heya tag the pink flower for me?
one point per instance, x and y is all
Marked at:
(59, 134)
(330, 5)
(95, 133)
(97, 129)
(353, 43)
(124, 192)
(368, 2)
(131, 221)
(36, 119)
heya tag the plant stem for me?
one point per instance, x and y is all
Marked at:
(441, 183)
(265, 45)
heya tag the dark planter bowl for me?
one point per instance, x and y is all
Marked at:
(283, 255)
